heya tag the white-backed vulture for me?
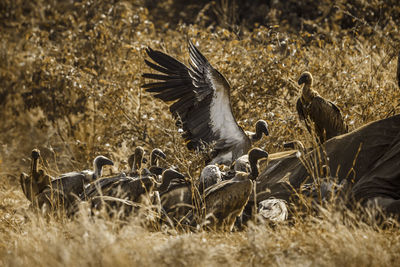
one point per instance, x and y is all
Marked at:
(225, 201)
(317, 113)
(202, 107)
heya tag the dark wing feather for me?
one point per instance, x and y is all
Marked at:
(326, 116)
(101, 185)
(194, 91)
(119, 188)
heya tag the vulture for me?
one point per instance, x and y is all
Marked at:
(122, 191)
(177, 200)
(65, 189)
(38, 179)
(248, 163)
(201, 105)
(135, 161)
(225, 201)
(136, 166)
(313, 109)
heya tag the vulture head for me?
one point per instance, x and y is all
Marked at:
(98, 164)
(155, 155)
(305, 78)
(261, 128)
(209, 175)
(296, 144)
(136, 159)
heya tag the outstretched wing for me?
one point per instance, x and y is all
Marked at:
(327, 116)
(201, 98)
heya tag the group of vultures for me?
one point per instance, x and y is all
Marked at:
(239, 182)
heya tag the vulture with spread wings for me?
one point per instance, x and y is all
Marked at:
(201, 102)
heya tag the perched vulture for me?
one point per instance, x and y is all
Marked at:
(202, 107)
(224, 201)
(315, 110)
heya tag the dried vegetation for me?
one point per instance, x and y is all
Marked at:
(70, 76)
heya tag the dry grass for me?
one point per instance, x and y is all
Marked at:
(70, 76)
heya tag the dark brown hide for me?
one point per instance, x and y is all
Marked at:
(370, 154)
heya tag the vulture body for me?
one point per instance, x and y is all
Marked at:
(176, 200)
(202, 107)
(226, 200)
(315, 110)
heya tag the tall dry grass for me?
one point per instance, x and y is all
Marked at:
(70, 85)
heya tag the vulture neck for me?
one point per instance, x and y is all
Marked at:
(308, 93)
(137, 163)
(253, 169)
(256, 136)
(153, 160)
(164, 184)
(34, 168)
(97, 171)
